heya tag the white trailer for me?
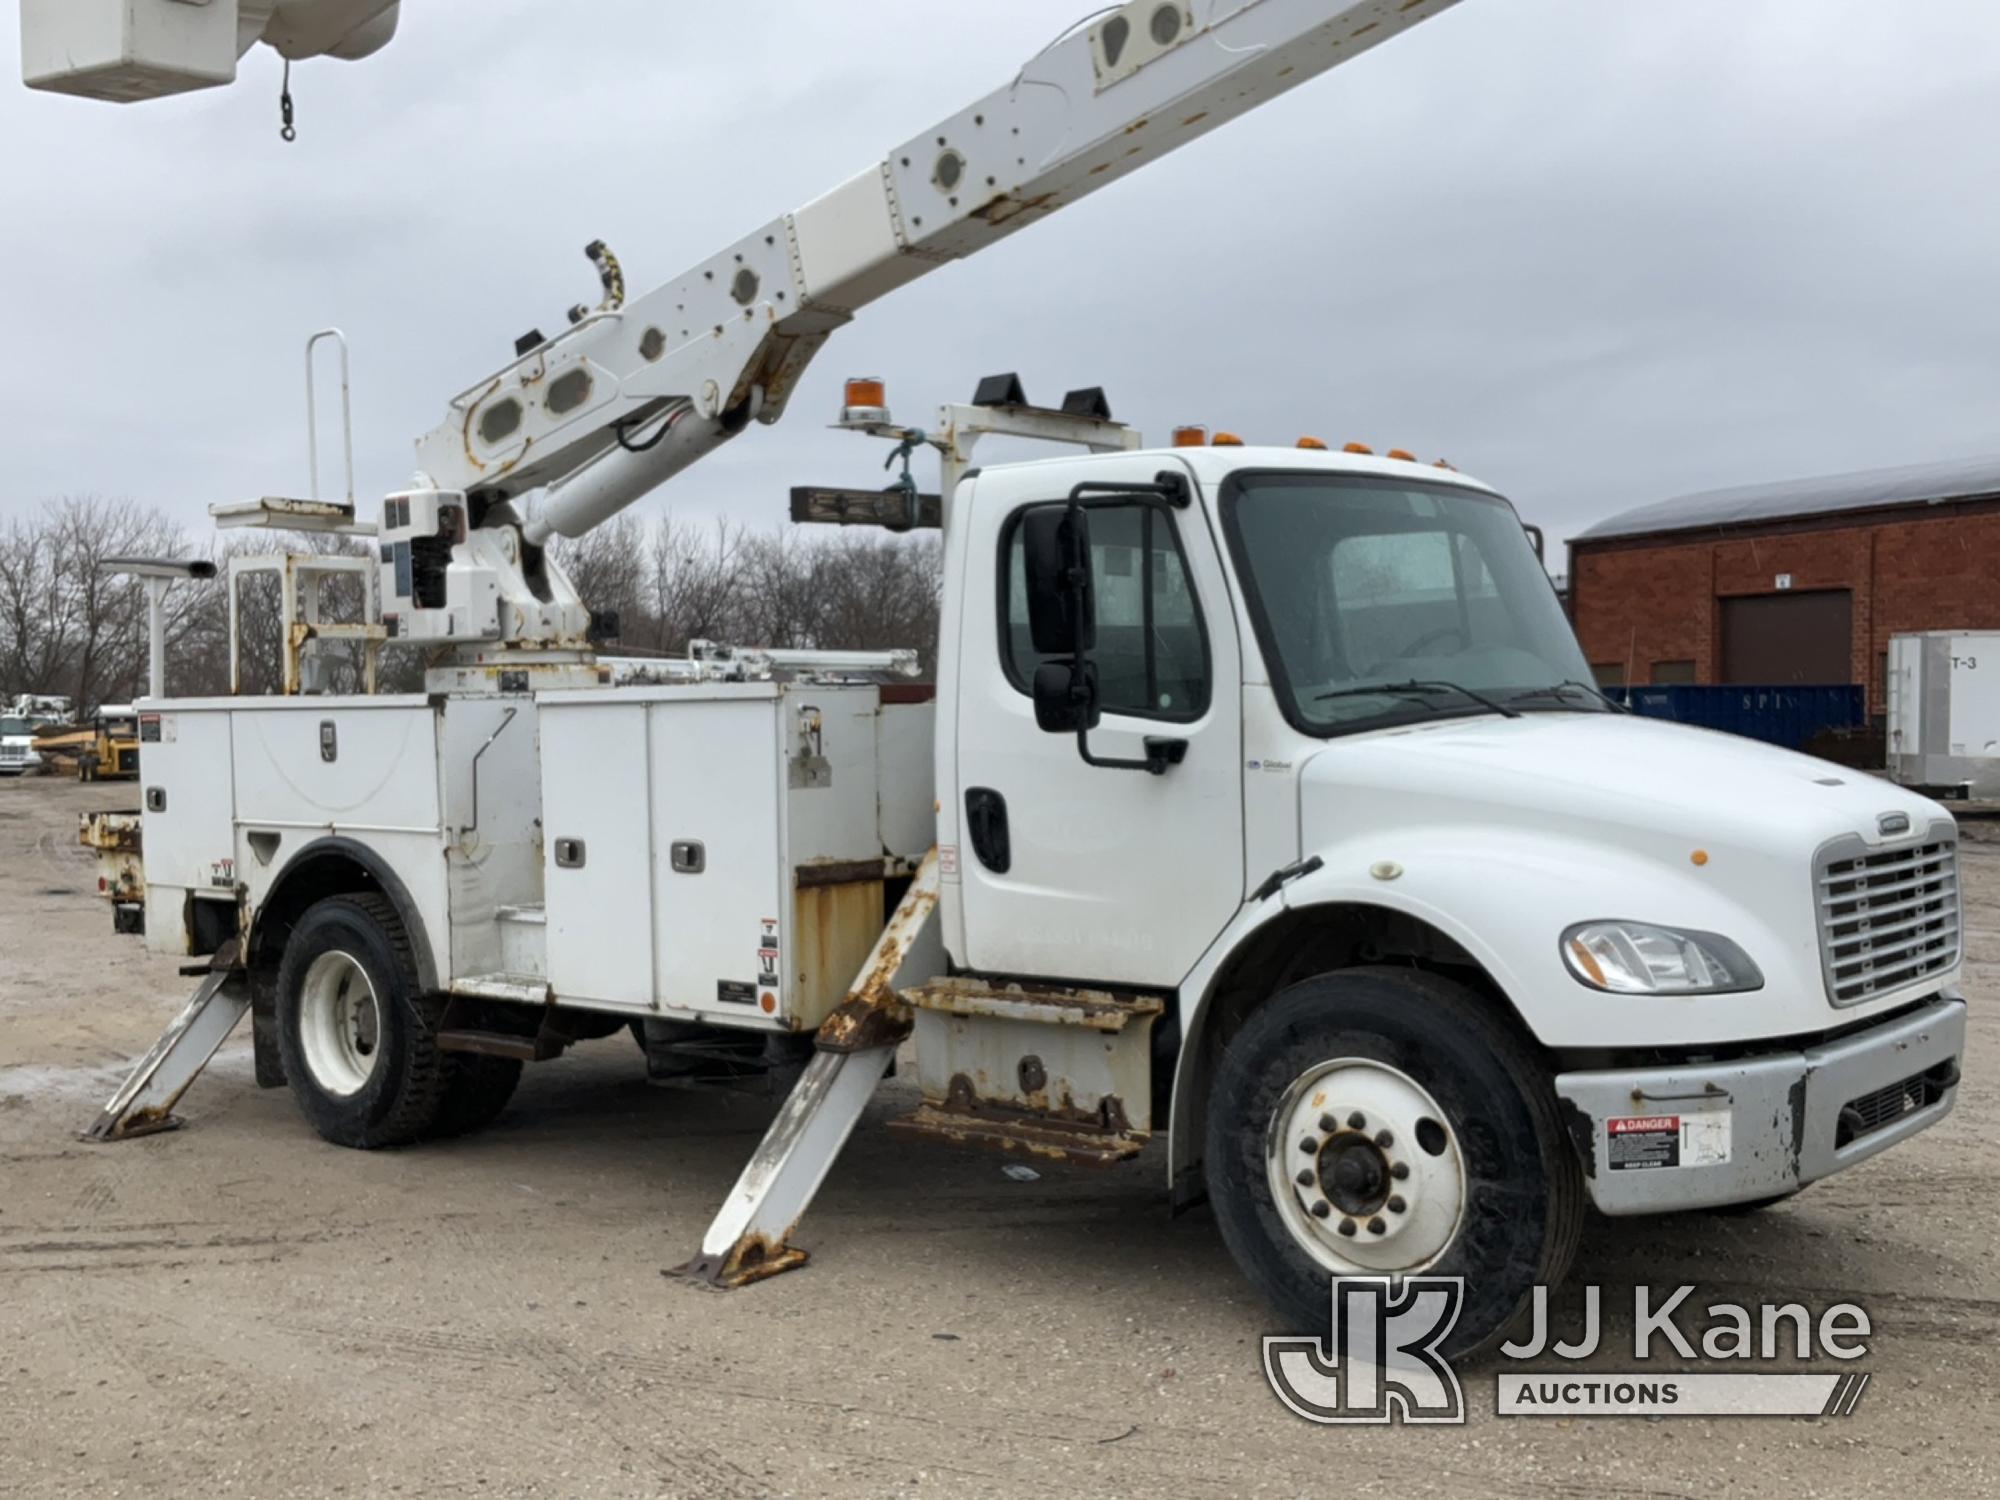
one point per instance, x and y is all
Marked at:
(1262, 804)
(1944, 712)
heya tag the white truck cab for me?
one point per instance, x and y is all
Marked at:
(1726, 969)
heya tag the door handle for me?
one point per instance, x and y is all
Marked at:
(986, 824)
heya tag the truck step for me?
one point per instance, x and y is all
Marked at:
(1034, 1069)
(688, 1055)
(1035, 1004)
(1020, 1135)
(538, 1048)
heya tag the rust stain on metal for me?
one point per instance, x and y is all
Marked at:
(873, 1014)
(1138, 125)
(1001, 209)
(1099, 1009)
(820, 872)
(835, 926)
(1195, 119)
(751, 1258)
(861, 1025)
(109, 832)
(1365, 29)
(1092, 1139)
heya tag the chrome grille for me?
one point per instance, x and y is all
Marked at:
(1887, 917)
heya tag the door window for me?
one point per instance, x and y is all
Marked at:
(1152, 651)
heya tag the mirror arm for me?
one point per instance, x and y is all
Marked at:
(1161, 753)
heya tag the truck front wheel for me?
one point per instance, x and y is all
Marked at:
(1385, 1122)
(358, 1041)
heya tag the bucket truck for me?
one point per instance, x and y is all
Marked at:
(1262, 805)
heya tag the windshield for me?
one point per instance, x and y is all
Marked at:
(13, 728)
(1426, 592)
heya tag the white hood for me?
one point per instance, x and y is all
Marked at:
(1639, 773)
(1503, 833)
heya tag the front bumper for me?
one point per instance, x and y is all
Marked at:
(1702, 1135)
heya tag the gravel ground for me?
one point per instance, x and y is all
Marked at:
(239, 1308)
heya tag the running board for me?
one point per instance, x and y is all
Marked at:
(145, 1103)
(750, 1238)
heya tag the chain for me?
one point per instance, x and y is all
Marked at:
(288, 131)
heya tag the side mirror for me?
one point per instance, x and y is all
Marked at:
(1066, 696)
(1062, 612)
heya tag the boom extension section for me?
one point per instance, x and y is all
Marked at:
(584, 424)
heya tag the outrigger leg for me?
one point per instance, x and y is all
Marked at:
(144, 1104)
(749, 1238)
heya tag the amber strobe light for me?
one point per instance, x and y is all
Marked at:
(867, 400)
(1191, 436)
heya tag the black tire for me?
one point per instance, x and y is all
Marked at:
(478, 1090)
(1524, 1194)
(408, 1078)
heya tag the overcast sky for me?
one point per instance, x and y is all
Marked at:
(1596, 252)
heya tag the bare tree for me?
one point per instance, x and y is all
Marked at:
(610, 567)
(108, 612)
(693, 576)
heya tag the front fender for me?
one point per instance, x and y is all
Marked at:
(1505, 898)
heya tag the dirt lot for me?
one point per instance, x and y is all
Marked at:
(241, 1309)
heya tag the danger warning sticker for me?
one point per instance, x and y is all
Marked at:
(1642, 1143)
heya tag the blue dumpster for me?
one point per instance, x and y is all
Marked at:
(1789, 715)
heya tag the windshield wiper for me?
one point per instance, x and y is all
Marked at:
(1405, 689)
(1558, 689)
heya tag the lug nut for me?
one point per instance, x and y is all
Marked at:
(1376, 1226)
(1384, 1139)
(1308, 1177)
(1321, 1209)
(1396, 1204)
(1329, 1124)
(1347, 1228)
(1400, 1170)
(1310, 1145)
(1357, 1121)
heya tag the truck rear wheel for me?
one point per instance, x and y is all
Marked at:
(359, 1044)
(1384, 1122)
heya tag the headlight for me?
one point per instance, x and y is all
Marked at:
(1632, 958)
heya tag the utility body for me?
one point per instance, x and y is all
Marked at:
(1261, 802)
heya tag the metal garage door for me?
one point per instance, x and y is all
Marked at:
(1776, 638)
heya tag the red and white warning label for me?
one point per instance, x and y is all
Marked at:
(1641, 1143)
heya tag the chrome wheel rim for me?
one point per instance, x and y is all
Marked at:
(1365, 1169)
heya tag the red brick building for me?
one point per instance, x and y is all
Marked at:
(1803, 581)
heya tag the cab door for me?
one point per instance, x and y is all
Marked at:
(1081, 872)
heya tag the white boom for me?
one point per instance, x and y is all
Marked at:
(588, 422)
(580, 426)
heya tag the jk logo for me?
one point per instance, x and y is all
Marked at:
(1379, 1361)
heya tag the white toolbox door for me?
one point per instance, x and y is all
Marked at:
(597, 854)
(720, 933)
